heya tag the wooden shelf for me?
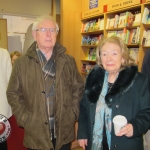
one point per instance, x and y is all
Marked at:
(88, 46)
(85, 60)
(92, 32)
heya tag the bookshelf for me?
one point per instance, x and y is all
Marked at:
(92, 30)
(145, 25)
(133, 29)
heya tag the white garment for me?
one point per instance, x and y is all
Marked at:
(147, 140)
(5, 71)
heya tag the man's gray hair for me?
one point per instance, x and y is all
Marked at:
(43, 18)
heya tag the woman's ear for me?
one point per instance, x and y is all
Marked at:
(122, 61)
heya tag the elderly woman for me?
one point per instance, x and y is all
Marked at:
(114, 87)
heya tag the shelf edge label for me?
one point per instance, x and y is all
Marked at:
(92, 13)
(122, 4)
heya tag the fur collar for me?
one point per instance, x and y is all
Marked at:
(94, 83)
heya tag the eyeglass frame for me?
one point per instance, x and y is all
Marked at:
(44, 30)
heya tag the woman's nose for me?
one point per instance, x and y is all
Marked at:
(109, 57)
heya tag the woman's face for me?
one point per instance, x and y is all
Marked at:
(111, 57)
(13, 59)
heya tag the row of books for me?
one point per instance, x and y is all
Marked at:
(86, 68)
(125, 19)
(93, 25)
(91, 54)
(128, 36)
(91, 40)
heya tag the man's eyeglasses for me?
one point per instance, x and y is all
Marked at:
(44, 30)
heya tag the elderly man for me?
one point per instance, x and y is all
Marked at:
(45, 89)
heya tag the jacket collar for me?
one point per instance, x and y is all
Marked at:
(95, 80)
(31, 53)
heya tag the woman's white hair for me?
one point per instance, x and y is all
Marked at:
(43, 18)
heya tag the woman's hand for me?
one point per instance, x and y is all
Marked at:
(127, 130)
(82, 143)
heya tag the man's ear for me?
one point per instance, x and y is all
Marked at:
(34, 35)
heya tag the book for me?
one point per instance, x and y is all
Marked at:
(98, 24)
(107, 25)
(111, 33)
(83, 68)
(92, 25)
(145, 15)
(94, 40)
(89, 67)
(148, 19)
(127, 37)
(111, 23)
(82, 28)
(102, 24)
(116, 21)
(123, 19)
(92, 54)
(143, 38)
(137, 19)
(86, 40)
(132, 38)
(122, 34)
(147, 40)
(130, 19)
(134, 54)
(138, 35)
(86, 27)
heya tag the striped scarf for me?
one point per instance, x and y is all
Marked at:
(48, 68)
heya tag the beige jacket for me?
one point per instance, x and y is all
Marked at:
(5, 71)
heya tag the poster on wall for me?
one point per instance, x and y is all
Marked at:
(93, 4)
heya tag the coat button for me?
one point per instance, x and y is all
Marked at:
(43, 92)
(93, 122)
(46, 123)
(117, 106)
(37, 61)
(115, 146)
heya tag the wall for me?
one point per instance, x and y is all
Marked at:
(70, 27)
(25, 7)
(70, 31)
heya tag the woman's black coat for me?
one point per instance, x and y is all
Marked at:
(130, 98)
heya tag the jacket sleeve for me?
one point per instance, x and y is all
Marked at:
(78, 86)
(9, 68)
(141, 122)
(15, 96)
(83, 120)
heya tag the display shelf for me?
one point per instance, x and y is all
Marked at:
(133, 29)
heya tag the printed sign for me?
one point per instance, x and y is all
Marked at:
(93, 4)
(5, 128)
(93, 12)
(122, 4)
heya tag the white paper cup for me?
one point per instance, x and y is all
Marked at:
(119, 122)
